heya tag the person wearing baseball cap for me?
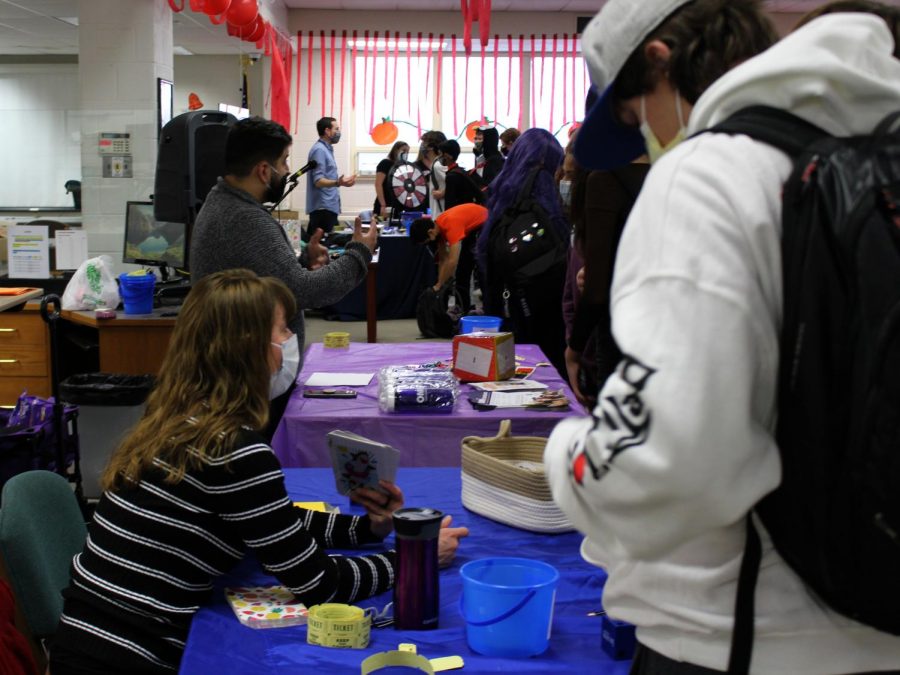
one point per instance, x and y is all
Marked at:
(681, 445)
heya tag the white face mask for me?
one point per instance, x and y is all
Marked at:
(565, 191)
(284, 377)
(655, 149)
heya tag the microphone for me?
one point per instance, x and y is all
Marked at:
(294, 177)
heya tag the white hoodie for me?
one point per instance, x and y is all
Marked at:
(682, 445)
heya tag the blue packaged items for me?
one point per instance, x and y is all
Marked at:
(417, 389)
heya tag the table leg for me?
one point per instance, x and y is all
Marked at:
(372, 303)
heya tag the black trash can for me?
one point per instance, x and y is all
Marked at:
(109, 405)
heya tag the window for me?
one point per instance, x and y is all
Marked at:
(394, 89)
(470, 102)
(558, 111)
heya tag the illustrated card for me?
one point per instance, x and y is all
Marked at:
(360, 462)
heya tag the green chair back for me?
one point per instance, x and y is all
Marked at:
(41, 529)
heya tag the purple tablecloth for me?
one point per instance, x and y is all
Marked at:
(424, 439)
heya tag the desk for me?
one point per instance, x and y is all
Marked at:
(424, 439)
(403, 270)
(130, 344)
(219, 644)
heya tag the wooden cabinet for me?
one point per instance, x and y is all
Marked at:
(24, 355)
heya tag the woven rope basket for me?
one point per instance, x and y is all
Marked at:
(514, 467)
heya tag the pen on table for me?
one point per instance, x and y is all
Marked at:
(597, 612)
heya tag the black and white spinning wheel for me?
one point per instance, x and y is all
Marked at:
(409, 185)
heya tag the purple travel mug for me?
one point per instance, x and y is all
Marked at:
(416, 589)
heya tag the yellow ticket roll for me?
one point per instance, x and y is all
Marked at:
(336, 340)
(337, 625)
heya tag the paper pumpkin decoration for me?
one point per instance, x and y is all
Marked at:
(241, 13)
(471, 128)
(385, 133)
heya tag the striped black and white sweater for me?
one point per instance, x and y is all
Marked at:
(153, 551)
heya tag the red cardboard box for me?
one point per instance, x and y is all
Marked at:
(484, 357)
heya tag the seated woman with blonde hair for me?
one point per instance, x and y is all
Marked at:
(194, 486)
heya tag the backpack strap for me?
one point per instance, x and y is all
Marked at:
(773, 126)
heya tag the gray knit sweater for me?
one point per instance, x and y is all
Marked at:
(234, 230)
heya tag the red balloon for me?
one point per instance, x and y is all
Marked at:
(212, 7)
(242, 12)
(257, 29)
(196, 5)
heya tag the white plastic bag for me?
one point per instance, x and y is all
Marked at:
(93, 285)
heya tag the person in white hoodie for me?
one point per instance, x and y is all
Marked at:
(681, 444)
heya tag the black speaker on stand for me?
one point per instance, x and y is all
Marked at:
(191, 158)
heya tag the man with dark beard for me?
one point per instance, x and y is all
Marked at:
(234, 230)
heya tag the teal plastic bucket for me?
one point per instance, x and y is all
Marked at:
(507, 604)
(472, 324)
(137, 292)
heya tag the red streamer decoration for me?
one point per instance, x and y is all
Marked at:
(565, 77)
(353, 73)
(297, 90)
(365, 71)
(543, 62)
(396, 61)
(509, 54)
(496, 58)
(533, 56)
(279, 86)
(484, 23)
(553, 82)
(467, 30)
(466, 92)
(521, 77)
(343, 70)
(481, 94)
(322, 63)
(453, 73)
(309, 60)
(418, 89)
(374, 66)
(428, 67)
(440, 67)
(574, 85)
(176, 8)
(331, 107)
(408, 73)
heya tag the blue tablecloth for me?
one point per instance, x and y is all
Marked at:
(219, 645)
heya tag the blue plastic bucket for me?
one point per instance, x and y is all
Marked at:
(137, 292)
(407, 218)
(507, 604)
(472, 324)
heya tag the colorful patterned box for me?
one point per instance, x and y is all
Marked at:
(266, 606)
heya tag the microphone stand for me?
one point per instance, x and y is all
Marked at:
(293, 179)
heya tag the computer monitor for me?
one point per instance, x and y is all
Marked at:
(151, 242)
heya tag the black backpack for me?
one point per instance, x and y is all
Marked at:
(835, 517)
(438, 312)
(524, 245)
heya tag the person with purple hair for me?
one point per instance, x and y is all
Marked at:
(533, 312)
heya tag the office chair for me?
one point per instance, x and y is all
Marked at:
(41, 529)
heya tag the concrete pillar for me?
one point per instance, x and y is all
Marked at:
(124, 46)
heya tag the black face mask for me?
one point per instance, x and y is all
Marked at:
(477, 148)
(504, 151)
(275, 189)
